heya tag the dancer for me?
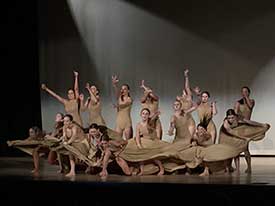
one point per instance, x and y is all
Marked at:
(151, 101)
(123, 106)
(180, 123)
(244, 107)
(93, 104)
(187, 103)
(44, 148)
(206, 110)
(72, 104)
(238, 133)
(144, 129)
(73, 139)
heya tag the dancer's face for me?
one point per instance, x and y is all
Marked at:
(104, 144)
(145, 115)
(245, 92)
(177, 106)
(231, 118)
(124, 90)
(32, 133)
(93, 132)
(94, 90)
(58, 118)
(67, 121)
(204, 97)
(71, 94)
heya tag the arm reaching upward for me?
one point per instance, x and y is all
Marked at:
(76, 87)
(115, 82)
(44, 87)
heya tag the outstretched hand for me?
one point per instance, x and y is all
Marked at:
(114, 80)
(75, 73)
(186, 71)
(43, 86)
(142, 86)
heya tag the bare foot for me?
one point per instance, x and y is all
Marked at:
(205, 173)
(248, 171)
(35, 171)
(161, 172)
(70, 174)
(103, 173)
(88, 170)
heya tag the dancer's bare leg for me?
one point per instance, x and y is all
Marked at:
(124, 166)
(205, 172)
(35, 156)
(128, 133)
(237, 164)
(104, 172)
(141, 169)
(161, 168)
(159, 130)
(248, 161)
(72, 164)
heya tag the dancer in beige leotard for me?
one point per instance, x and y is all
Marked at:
(180, 122)
(187, 103)
(150, 101)
(93, 104)
(72, 104)
(123, 106)
(206, 110)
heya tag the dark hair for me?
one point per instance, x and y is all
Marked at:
(105, 137)
(62, 115)
(36, 130)
(246, 87)
(230, 112)
(206, 92)
(70, 116)
(145, 108)
(103, 129)
(128, 87)
(71, 89)
(93, 126)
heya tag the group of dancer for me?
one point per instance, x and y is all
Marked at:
(194, 145)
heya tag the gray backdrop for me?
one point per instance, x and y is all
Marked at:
(224, 46)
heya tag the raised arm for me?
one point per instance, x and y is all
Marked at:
(197, 91)
(214, 108)
(44, 87)
(147, 92)
(186, 83)
(82, 105)
(94, 98)
(191, 109)
(76, 87)
(115, 82)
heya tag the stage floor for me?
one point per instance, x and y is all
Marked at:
(263, 173)
(20, 187)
